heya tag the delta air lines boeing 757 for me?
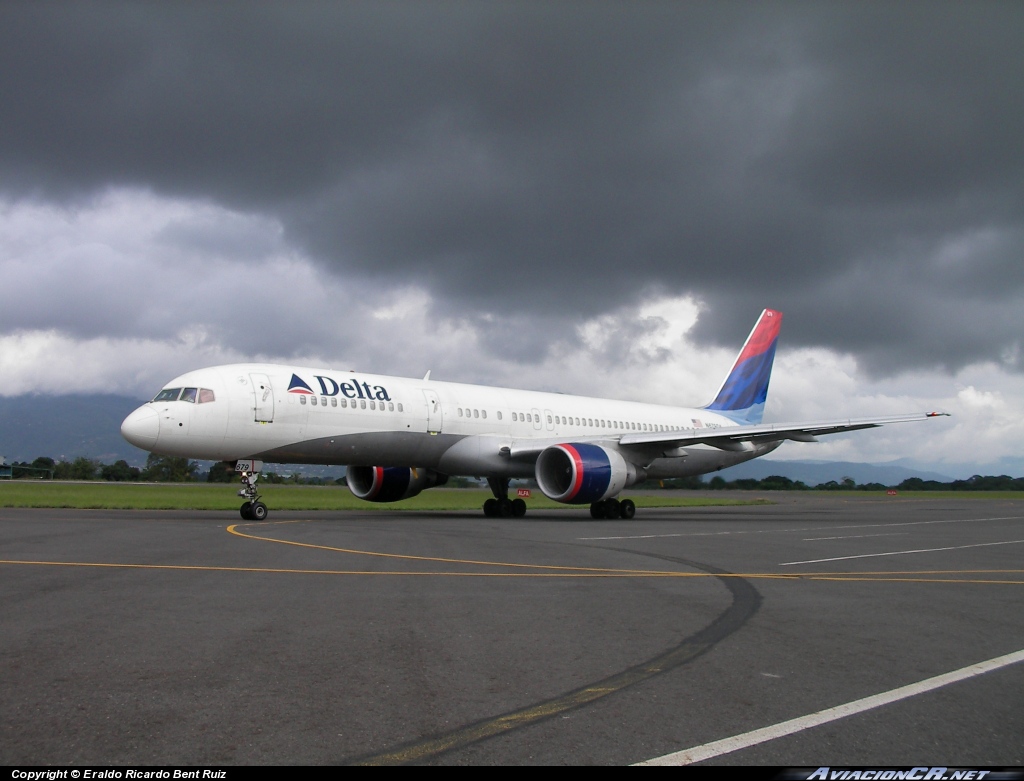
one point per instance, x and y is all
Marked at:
(399, 436)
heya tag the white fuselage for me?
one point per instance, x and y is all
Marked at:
(286, 414)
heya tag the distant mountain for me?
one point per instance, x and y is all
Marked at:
(816, 472)
(1005, 465)
(65, 427)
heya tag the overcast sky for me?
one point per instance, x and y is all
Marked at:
(594, 197)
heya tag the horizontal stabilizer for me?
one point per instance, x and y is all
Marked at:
(728, 437)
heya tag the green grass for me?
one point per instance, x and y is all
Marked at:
(221, 496)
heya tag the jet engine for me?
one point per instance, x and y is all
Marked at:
(391, 483)
(582, 473)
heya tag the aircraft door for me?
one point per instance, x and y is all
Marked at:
(263, 396)
(434, 416)
(537, 423)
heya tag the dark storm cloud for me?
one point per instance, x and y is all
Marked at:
(859, 166)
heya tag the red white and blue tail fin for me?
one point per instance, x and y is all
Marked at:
(744, 392)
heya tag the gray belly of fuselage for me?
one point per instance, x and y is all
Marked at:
(450, 454)
(389, 448)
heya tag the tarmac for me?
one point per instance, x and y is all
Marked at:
(379, 637)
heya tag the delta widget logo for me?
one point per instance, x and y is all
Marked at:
(350, 389)
(298, 385)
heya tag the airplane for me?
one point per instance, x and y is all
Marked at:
(399, 436)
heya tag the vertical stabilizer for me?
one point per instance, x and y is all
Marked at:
(743, 394)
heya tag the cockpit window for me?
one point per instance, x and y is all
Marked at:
(168, 394)
(189, 394)
(206, 396)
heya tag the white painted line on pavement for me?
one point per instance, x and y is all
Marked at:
(747, 739)
(900, 552)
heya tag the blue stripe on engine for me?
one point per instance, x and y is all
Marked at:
(394, 484)
(597, 473)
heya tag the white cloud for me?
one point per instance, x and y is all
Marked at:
(121, 293)
(55, 363)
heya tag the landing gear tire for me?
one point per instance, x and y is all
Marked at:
(246, 511)
(501, 506)
(611, 509)
(258, 511)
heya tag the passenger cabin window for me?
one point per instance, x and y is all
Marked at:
(499, 414)
(334, 401)
(400, 407)
(168, 394)
(312, 400)
(302, 399)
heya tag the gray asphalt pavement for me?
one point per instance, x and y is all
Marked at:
(383, 637)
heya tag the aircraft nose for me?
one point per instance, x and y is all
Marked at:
(141, 427)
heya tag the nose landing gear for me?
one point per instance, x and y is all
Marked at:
(252, 508)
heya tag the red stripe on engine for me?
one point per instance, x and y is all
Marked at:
(578, 482)
(378, 482)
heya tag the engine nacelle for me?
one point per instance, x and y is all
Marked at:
(582, 473)
(391, 483)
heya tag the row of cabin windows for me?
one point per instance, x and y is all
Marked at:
(191, 395)
(465, 412)
(344, 403)
(593, 422)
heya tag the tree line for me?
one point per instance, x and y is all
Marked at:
(780, 483)
(168, 469)
(158, 469)
(164, 469)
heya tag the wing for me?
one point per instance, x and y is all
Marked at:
(733, 438)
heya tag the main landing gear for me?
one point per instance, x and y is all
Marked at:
(501, 506)
(613, 508)
(252, 508)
